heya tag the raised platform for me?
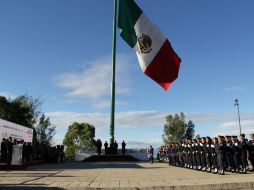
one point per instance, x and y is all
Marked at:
(110, 158)
(23, 166)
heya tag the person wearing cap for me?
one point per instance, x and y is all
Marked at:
(189, 153)
(208, 154)
(194, 152)
(214, 155)
(202, 144)
(229, 153)
(243, 146)
(220, 149)
(237, 153)
(197, 155)
(251, 150)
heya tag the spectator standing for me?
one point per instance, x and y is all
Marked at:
(9, 150)
(115, 147)
(123, 147)
(24, 152)
(106, 147)
(99, 145)
(3, 150)
(150, 152)
(29, 151)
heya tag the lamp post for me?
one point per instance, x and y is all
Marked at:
(237, 104)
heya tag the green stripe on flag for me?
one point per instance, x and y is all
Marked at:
(129, 12)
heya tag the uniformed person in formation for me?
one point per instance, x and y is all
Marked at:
(218, 155)
(251, 150)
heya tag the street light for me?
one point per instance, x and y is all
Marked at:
(237, 104)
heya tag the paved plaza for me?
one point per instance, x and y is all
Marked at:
(131, 175)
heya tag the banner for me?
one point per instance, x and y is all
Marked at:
(19, 132)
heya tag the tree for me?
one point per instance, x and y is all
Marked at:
(189, 130)
(78, 136)
(25, 110)
(45, 131)
(176, 129)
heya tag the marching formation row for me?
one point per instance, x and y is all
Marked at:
(212, 155)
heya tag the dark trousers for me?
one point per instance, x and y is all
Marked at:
(214, 161)
(220, 162)
(9, 157)
(208, 161)
(237, 161)
(3, 156)
(244, 160)
(203, 159)
(198, 160)
(190, 159)
(229, 159)
(194, 161)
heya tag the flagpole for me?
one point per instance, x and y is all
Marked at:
(112, 110)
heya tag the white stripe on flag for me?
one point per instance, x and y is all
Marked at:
(146, 27)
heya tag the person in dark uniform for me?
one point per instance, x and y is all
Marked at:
(98, 146)
(62, 155)
(150, 152)
(243, 146)
(24, 152)
(185, 159)
(3, 150)
(181, 154)
(214, 155)
(193, 150)
(123, 147)
(106, 147)
(29, 151)
(220, 148)
(197, 156)
(208, 154)
(237, 153)
(229, 153)
(202, 143)
(9, 150)
(115, 147)
(189, 154)
(172, 153)
(251, 151)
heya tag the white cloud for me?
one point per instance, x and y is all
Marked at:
(224, 123)
(140, 119)
(234, 88)
(232, 128)
(94, 80)
(8, 95)
(132, 119)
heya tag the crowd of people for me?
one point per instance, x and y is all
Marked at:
(38, 151)
(217, 155)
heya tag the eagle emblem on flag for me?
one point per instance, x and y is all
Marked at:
(145, 43)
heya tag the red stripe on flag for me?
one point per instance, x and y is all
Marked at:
(165, 66)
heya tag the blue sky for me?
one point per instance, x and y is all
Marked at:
(61, 51)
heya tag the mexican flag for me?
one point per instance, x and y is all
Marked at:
(156, 57)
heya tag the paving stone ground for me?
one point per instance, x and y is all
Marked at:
(120, 175)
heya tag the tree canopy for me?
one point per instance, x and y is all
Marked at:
(25, 110)
(45, 130)
(78, 136)
(176, 129)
